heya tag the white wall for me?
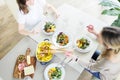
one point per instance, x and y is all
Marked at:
(2, 2)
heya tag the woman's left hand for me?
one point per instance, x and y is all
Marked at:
(35, 31)
(57, 15)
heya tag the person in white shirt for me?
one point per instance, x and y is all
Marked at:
(31, 12)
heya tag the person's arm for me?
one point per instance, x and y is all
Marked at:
(21, 27)
(99, 65)
(22, 31)
(49, 6)
(93, 31)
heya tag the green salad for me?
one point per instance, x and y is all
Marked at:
(55, 73)
(83, 43)
(62, 39)
(49, 27)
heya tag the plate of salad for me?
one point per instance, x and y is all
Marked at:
(54, 71)
(61, 39)
(83, 44)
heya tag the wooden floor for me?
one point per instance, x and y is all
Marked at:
(9, 35)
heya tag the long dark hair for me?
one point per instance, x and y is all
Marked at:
(22, 6)
(111, 37)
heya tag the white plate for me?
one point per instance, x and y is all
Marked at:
(54, 39)
(28, 78)
(51, 66)
(86, 49)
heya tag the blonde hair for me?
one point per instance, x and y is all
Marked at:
(22, 6)
(111, 37)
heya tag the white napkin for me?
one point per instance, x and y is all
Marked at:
(29, 70)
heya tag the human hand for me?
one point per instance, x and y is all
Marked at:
(57, 15)
(35, 31)
(70, 55)
(91, 28)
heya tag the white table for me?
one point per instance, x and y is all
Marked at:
(74, 21)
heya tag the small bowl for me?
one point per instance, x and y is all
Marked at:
(49, 28)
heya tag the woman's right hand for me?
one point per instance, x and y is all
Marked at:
(35, 31)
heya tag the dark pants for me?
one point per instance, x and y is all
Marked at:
(94, 57)
(95, 74)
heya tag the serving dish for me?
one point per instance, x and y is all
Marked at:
(41, 55)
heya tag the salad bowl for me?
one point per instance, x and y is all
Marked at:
(83, 44)
(61, 39)
(54, 71)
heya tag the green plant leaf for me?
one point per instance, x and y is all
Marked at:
(116, 22)
(109, 3)
(119, 16)
(112, 12)
(113, 9)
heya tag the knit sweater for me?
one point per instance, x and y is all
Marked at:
(108, 70)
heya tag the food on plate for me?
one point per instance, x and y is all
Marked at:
(62, 39)
(21, 66)
(21, 58)
(82, 43)
(41, 54)
(55, 73)
(49, 27)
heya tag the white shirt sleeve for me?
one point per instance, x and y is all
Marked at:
(42, 2)
(21, 18)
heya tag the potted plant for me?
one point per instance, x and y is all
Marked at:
(112, 9)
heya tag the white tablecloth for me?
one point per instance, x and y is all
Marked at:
(74, 22)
